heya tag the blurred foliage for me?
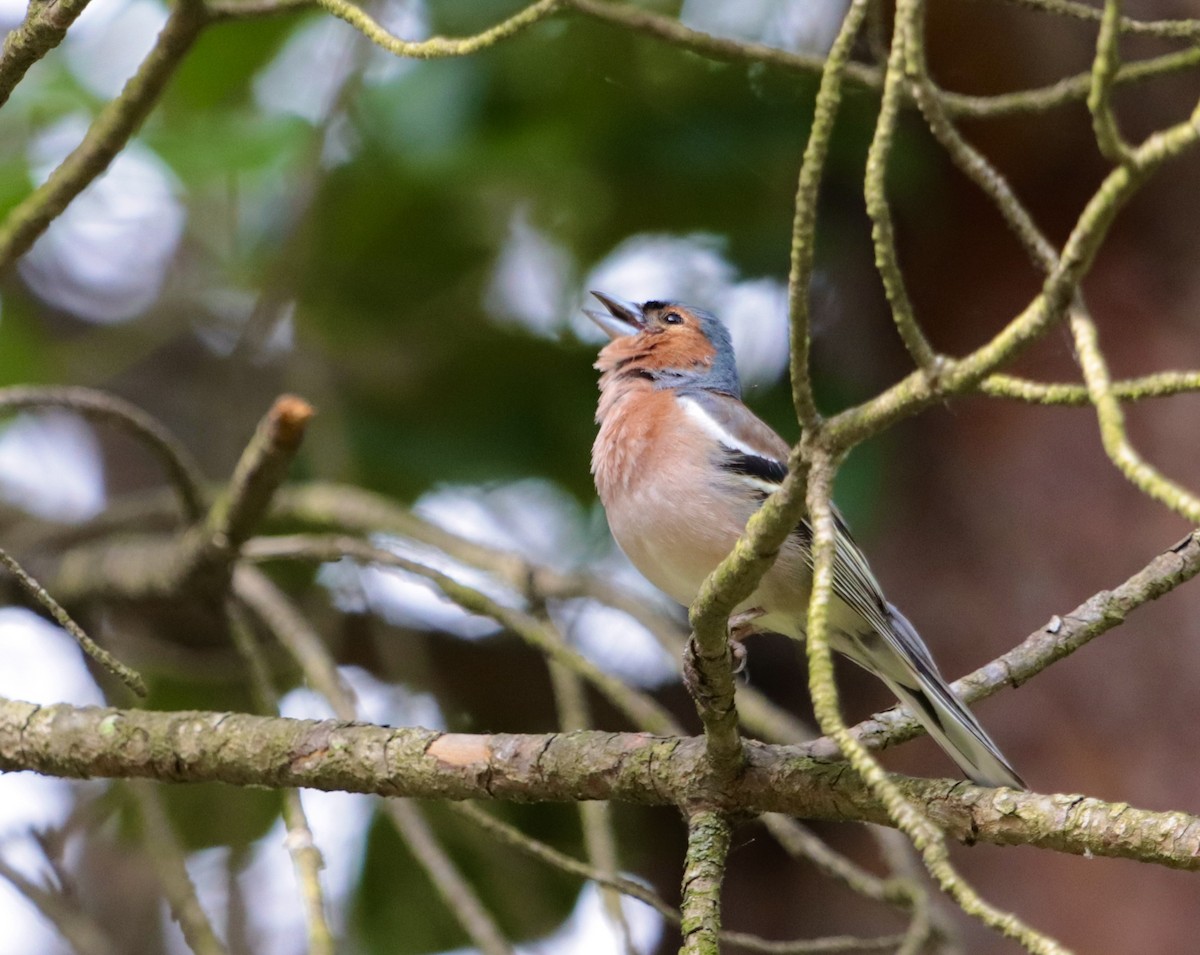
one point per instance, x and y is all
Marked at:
(397, 911)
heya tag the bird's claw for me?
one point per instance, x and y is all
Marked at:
(741, 626)
(738, 656)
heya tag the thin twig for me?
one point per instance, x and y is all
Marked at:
(347, 508)
(925, 835)
(969, 160)
(1064, 92)
(640, 708)
(1172, 29)
(1062, 636)
(78, 929)
(167, 857)
(599, 836)
(307, 860)
(804, 216)
(130, 677)
(536, 849)
(1113, 435)
(178, 463)
(296, 635)
(107, 136)
(456, 891)
(801, 843)
(1159, 385)
(1105, 67)
(352, 509)
(875, 190)
(669, 30)
(901, 892)
(437, 47)
(224, 10)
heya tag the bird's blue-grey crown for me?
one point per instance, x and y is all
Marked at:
(630, 318)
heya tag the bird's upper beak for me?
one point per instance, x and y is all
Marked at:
(622, 318)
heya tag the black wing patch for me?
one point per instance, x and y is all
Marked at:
(753, 465)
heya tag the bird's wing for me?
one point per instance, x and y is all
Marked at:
(750, 449)
(880, 639)
(758, 456)
(855, 583)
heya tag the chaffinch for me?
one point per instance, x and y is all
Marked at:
(681, 464)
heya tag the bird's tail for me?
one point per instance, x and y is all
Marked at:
(946, 717)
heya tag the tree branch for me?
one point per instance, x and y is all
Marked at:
(448, 881)
(42, 30)
(875, 189)
(127, 675)
(1061, 637)
(703, 873)
(108, 135)
(438, 47)
(804, 216)
(167, 859)
(903, 811)
(180, 467)
(244, 750)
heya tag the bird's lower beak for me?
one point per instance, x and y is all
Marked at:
(622, 318)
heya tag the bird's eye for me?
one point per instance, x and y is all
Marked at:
(673, 318)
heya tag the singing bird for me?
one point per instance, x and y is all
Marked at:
(681, 464)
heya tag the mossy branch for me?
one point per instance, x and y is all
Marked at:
(1105, 67)
(887, 261)
(804, 215)
(244, 750)
(928, 838)
(703, 873)
(438, 47)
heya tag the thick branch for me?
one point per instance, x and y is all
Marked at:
(85, 742)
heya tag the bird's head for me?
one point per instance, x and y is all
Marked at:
(671, 344)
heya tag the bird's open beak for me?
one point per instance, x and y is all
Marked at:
(622, 318)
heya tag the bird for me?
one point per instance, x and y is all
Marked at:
(680, 465)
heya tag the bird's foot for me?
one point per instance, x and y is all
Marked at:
(741, 626)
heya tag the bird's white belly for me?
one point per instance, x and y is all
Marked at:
(675, 531)
(676, 543)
